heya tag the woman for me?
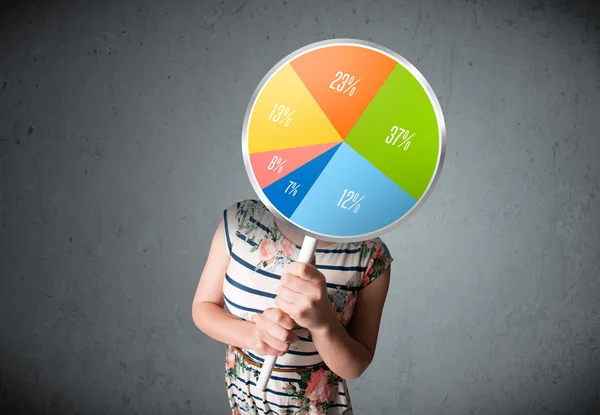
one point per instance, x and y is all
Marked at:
(321, 319)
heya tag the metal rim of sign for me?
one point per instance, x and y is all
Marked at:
(414, 72)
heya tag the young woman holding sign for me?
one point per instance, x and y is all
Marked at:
(321, 319)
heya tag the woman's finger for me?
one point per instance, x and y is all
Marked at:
(295, 283)
(265, 327)
(279, 333)
(265, 350)
(284, 306)
(287, 295)
(306, 272)
(280, 317)
(277, 344)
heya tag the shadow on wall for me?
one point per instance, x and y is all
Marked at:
(20, 396)
(28, 396)
(24, 394)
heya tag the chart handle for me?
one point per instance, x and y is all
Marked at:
(306, 253)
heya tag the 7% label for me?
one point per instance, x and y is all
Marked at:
(292, 188)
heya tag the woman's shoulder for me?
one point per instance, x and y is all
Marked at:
(247, 209)
(372, 248)
(377, 258)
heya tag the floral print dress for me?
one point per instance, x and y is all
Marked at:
(301, 383)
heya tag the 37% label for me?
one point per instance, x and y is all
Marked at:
(399, 133)
(351, 197)
(281, 114)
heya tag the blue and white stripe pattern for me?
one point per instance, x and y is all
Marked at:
(258, 257)
(269, 401)
(249, 289)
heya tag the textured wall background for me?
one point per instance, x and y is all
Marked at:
(120, 146)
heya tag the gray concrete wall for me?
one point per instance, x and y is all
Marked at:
(120, 146)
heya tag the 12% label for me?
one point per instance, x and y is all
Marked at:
(352, 197)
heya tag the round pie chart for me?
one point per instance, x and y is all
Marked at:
(344, 139)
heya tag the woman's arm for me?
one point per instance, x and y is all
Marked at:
(347, 352)
(267, 334)
(351, 350)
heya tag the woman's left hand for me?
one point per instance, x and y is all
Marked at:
(303, 296)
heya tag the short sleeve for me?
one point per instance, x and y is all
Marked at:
(230, 225)
(379, 259)
(234, 218)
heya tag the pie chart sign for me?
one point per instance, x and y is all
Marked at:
(344, 139)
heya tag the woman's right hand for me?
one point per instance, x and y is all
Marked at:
(273, 332)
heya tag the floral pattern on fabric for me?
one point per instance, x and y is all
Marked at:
(379, 259)
(235, 365)
(260, 248)
(313, 393)
(316, 389)
(274, 249)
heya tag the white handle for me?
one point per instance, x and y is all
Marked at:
(306, 253)
(265, 372)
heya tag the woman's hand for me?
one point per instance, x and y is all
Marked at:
(272, 334)
(303, 296)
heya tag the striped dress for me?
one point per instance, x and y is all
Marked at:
(300, 383)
